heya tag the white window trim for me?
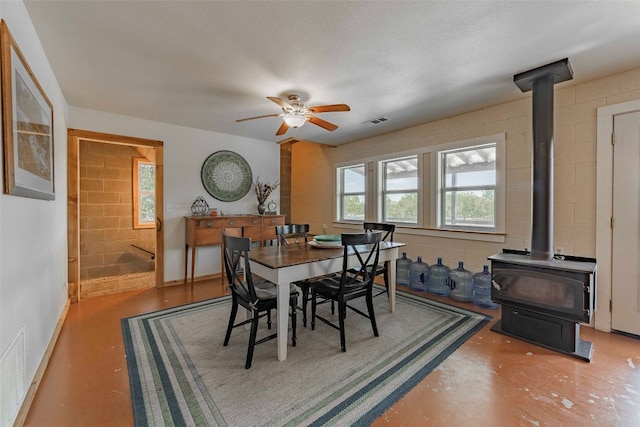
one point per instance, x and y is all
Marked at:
(422, 229)
(380, 199)
(338, 187)
(436, 170)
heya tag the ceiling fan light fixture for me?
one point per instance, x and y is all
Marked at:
(295, 114)
(294, 120)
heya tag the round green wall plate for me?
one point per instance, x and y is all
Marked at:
(226, 176)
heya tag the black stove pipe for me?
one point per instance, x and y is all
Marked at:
(541, 80)
(542, 170)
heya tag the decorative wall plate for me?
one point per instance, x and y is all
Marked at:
(226, 176)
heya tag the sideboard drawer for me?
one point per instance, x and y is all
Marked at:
(269, 226)
(208, 223)
(242, 222)
(209, 236)
(255, 233)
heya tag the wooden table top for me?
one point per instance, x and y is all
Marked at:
(300, 253)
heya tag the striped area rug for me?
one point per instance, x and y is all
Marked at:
(181, 375)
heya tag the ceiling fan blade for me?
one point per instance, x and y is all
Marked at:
(280, 102)
(322, 123)
(282, 129)
(257, 117)
(328, 108)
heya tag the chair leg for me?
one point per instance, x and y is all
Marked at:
(342, 311)
(268, 319)
(372, 315)
(313, 310)
(232, 319)
(293, 304)
(252, 339)
(305, 298)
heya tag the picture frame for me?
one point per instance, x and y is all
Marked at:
(27, 126)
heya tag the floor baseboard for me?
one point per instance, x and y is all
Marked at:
(33, 387)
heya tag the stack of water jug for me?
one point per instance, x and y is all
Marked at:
(459, 284)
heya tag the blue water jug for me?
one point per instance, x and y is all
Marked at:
(461, 284)
(419, 274)
(482, 289)
(403, 267)
(439, 279)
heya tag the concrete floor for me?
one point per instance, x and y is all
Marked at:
(491, 380)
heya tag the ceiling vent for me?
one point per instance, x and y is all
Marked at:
(375, 121)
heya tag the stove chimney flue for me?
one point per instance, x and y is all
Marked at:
(540, 81)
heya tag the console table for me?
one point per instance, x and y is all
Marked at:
(207, 231)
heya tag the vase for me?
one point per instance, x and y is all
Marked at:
(261, 208)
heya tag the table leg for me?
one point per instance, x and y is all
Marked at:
(392, 285)
(283, 319)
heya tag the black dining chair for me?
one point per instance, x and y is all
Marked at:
(296, 233)
(346, 286)
(387, 236)
(257, 295)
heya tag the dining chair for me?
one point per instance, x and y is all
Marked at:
(257, 295)
(387, 231)
(346, 286)
(296, 233)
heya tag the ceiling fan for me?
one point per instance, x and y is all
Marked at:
(295, 113)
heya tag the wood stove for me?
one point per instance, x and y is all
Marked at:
(544, 296)
(544, 301)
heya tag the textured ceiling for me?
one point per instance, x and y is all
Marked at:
(205, 64)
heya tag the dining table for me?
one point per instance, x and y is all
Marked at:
(299, 261)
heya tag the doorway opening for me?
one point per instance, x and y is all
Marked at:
(114, 214)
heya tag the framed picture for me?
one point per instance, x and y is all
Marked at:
(27, 126)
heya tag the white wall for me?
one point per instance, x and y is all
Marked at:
(185, 149)
(33, 233)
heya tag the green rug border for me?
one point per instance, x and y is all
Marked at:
(140, 415)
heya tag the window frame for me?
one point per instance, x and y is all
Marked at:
(382, 200)
(443, 188)
(428, 193)
(341, 193)
(137, 194)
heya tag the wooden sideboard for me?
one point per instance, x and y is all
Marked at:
(207, 231)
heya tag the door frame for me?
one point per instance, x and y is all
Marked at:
(604, 209)
(74, 136)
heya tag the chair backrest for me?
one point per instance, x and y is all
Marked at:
(299, 232)
(236, 266)
(388, 229)
(366, 247)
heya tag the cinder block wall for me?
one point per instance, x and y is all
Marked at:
(106, 214)
(575, 160)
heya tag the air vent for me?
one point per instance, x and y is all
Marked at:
(12, 384)
(376, 121)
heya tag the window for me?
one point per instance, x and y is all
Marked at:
(467, 193)
(400, 190)
(144, 193)
(452, 190)
(351, 193)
